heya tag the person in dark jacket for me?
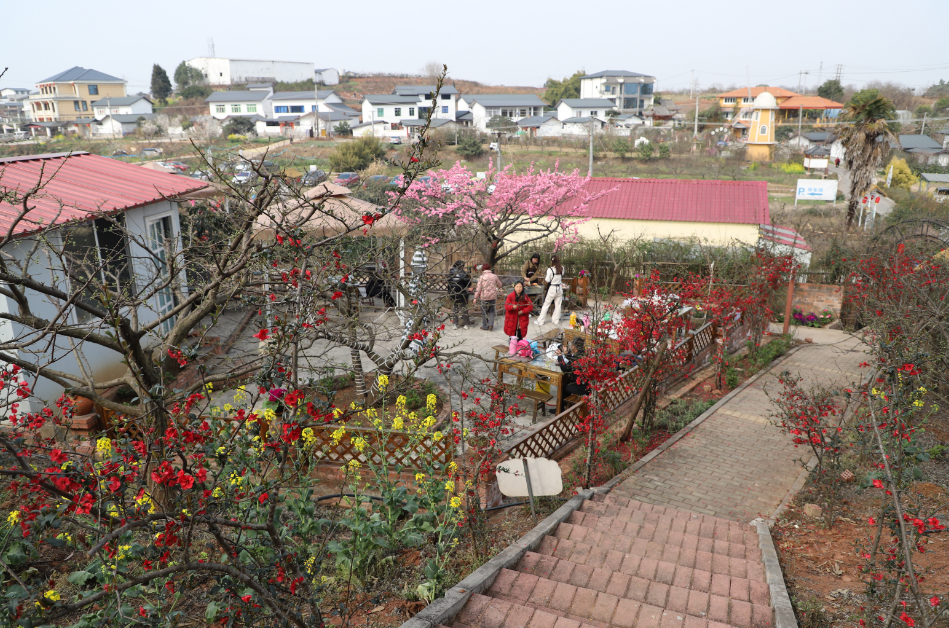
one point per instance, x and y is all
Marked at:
(376, 287)
(459, 285)
(568, 365)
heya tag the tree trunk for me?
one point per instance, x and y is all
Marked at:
(628, 430)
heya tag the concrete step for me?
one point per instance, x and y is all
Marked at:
(639, 604)
(646, 546)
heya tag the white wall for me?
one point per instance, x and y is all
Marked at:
(217, 70)
(370, 112)
(380, 129)
(263, 109)
(139, 107)
(104, 363)
(227, 71)
(113, 128)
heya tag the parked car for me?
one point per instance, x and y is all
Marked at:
(347, 179)
(313, 177)
(245, 176)
(201, 175)
(395, 140)
(152, 152)
(177, 165)
(376, 178)
(121, 153)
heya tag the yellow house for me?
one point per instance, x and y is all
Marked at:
(718, 212)
(760, 145)
(69, 95)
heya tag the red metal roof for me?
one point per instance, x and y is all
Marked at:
(79, 184)
(742, 202)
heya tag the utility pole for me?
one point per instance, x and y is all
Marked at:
(316, 109)
(923, 130)
(800, 114)
(692, 84)
(590, 171)
(695, 133)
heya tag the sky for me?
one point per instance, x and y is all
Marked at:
(497, 43)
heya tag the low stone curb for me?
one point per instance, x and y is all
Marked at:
(780, 600)
(444, 609)
(672, 440)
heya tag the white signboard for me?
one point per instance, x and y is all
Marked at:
(816, 190)
(546, 478)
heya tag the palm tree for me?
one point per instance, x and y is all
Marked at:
(866, 142)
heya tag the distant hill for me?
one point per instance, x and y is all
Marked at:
(353, 89)
(938, 90)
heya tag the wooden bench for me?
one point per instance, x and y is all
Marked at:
(539, 398)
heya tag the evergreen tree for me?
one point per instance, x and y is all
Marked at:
(831, 90)
(161, 84)
(558, 90)
(186, 76)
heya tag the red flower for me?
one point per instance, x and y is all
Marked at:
(877, 484)
(58, 456)
(247, 599)
(872, 521)
(368, 219)
(934, 601)
(263, 498)
(906, 618)
(142, 612)
(115, 484)
(263, 334)
(185, 481)
(336, 295)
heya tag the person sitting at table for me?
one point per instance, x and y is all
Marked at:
(517, 309)
(568, 365)
(531, 271)
(376, 287)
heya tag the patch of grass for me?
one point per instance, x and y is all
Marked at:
(810, 613)
(680, 413)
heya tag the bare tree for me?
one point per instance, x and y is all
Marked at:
(432, 71)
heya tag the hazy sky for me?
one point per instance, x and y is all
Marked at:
(499, 42)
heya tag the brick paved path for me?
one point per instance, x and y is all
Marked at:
(736, 464)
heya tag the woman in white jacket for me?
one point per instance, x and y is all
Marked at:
(554, 281)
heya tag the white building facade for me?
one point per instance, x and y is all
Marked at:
(483, 107)
(127, 105)
(629, 91)
(220, 71)
(584, 108)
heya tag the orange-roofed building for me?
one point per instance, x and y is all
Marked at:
(792, 107)
(733, 101)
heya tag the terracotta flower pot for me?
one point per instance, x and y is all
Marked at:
(82, 405)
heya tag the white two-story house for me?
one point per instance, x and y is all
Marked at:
(389, 109)
(584, 108)
(304, 102)
(125, 106)
(514, 106)
(630, 92)
(446, 102)
(254, 101)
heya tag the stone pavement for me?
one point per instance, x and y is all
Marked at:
(736, 464)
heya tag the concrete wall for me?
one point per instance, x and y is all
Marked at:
(814, 297)
(722, 233)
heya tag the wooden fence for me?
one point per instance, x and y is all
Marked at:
(399, 449)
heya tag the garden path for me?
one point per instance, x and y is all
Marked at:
(736, 464)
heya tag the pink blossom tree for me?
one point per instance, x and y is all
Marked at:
(505, 208)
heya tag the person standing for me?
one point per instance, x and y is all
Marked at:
(487, 293)
(459, 285)
(517, 309)
(554, 281)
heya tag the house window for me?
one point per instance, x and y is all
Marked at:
(312, 107)
(446, 96)
(398, 112)
(594, 112)
(296, 108)
(381, 112)
(219, 108)
(411, 112)
(763, 129)
(85, 106)
(46, 106)
(646, 89)
(160, 236)
(281, 109)
(444, 108)
(757, 115)
(98, 250)
(235, 108)
(729, 101)
(251, 108)
(93, 90)
(631, 88)
(75, 105)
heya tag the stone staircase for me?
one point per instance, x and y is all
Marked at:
(623, 563)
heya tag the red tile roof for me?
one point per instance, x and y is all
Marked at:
(777, 92)
(77, 185)
(810, 102)
(741, 202)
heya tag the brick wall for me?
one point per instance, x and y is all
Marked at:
(814, 297)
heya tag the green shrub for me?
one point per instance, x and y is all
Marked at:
(239, 126)
(680, 413)
(731, 376)
(469, 147)
(664, 151)
(645, 150)
(357, 154)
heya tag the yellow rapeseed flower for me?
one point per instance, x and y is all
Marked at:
(52, 595)
(430, 403)
(437, 436)
(452, 467)
(338, 434)
(398, 423)
(917, 404)
(922, 389)
(383, 382)
(13, 517)
(455, 502)
(400, 402)
(354, 464)
(359, 443)
(209, 387)
(308, 437)
(419, 477)
(104, 446)
(450, 486)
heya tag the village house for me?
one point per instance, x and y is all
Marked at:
(70, 94)
(546, 125)
(516, 107)
(254, 101)
(718, 212)
(584, 108)
(125, 105)
(79, 189)
(630, 92)
(446, 106)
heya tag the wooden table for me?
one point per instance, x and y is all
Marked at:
(588, 340)
(531, 371)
